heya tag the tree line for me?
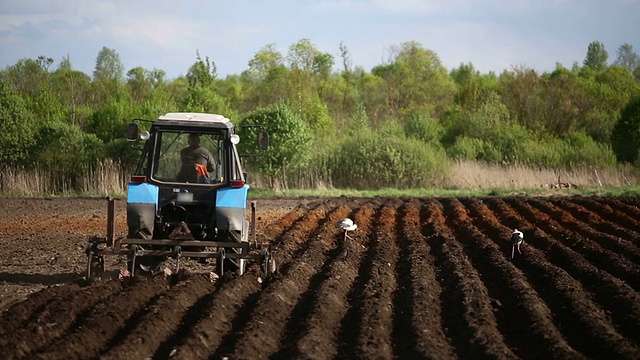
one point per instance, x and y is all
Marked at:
(332, 123)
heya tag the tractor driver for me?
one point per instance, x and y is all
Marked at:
(197, 162)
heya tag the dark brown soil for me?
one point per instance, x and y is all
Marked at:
(422, 278)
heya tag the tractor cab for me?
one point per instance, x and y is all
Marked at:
(166, 157)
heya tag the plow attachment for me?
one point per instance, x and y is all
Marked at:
(148, 254)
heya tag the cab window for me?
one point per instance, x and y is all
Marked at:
(189, 157)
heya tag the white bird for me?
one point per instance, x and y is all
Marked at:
(347, 225)
(517, 238)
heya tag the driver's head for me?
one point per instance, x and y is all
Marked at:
(193, 140)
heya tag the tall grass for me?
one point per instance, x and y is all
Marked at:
(110, 179)
(476, 175)
(104, 178)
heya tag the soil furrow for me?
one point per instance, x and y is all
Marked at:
(524, 319)
(161, 320)
(587, 248)
(583, 322)
(54, 320)
(335, 245)
(275, 229)
(601, 242)
(418, 292)
(286, 247)
(268, 318)
(351, 322)
(216, 311)
(615, 237)
(16, 316)
(374, 338)
(615, 296)
(602, 208)
(468, 294)
(94, 329)
(624, 204)
(319, 331)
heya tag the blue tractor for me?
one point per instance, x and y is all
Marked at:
(186, 199)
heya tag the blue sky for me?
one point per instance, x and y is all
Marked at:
(493, 35)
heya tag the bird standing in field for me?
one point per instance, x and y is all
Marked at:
(517, 238)
(346, 225)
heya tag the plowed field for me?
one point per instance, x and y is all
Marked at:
(421, 278)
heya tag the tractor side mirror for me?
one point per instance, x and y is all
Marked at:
(263, 140)
(132, 132)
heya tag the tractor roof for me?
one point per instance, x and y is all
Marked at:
(193, 119)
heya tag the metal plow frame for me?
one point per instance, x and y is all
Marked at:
(134, 248)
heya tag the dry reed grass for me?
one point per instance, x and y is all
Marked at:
(106, 178)
(475, 175)
(110, 179)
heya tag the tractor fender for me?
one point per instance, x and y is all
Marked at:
(142, 206)
(231, 204)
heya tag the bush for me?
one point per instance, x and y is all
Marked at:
(373, 161)
(577, 149)
(66, 152)
(468, 148)
(581, 149)
(424, 128)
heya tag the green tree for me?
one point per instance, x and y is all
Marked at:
(266, 81)
(522, 91)
(263, 61)
(473, 88)
(310, 68)
(46, 106)
(108, 65)
(563, 101)
(597, 56)
(110, 122)
(627, 58)
(142, 82)
(345, 102)
(205, 100)
(416, 79)
(17, 123)
(303, 55)
(424, 128)
(65, 147)
(625, 139)
(107, 79)
(289, 146)
(176, 90)
(610, 92)
(26, 77)
(74, 91)
(488, 134)
(203, 72)
(138, 85)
